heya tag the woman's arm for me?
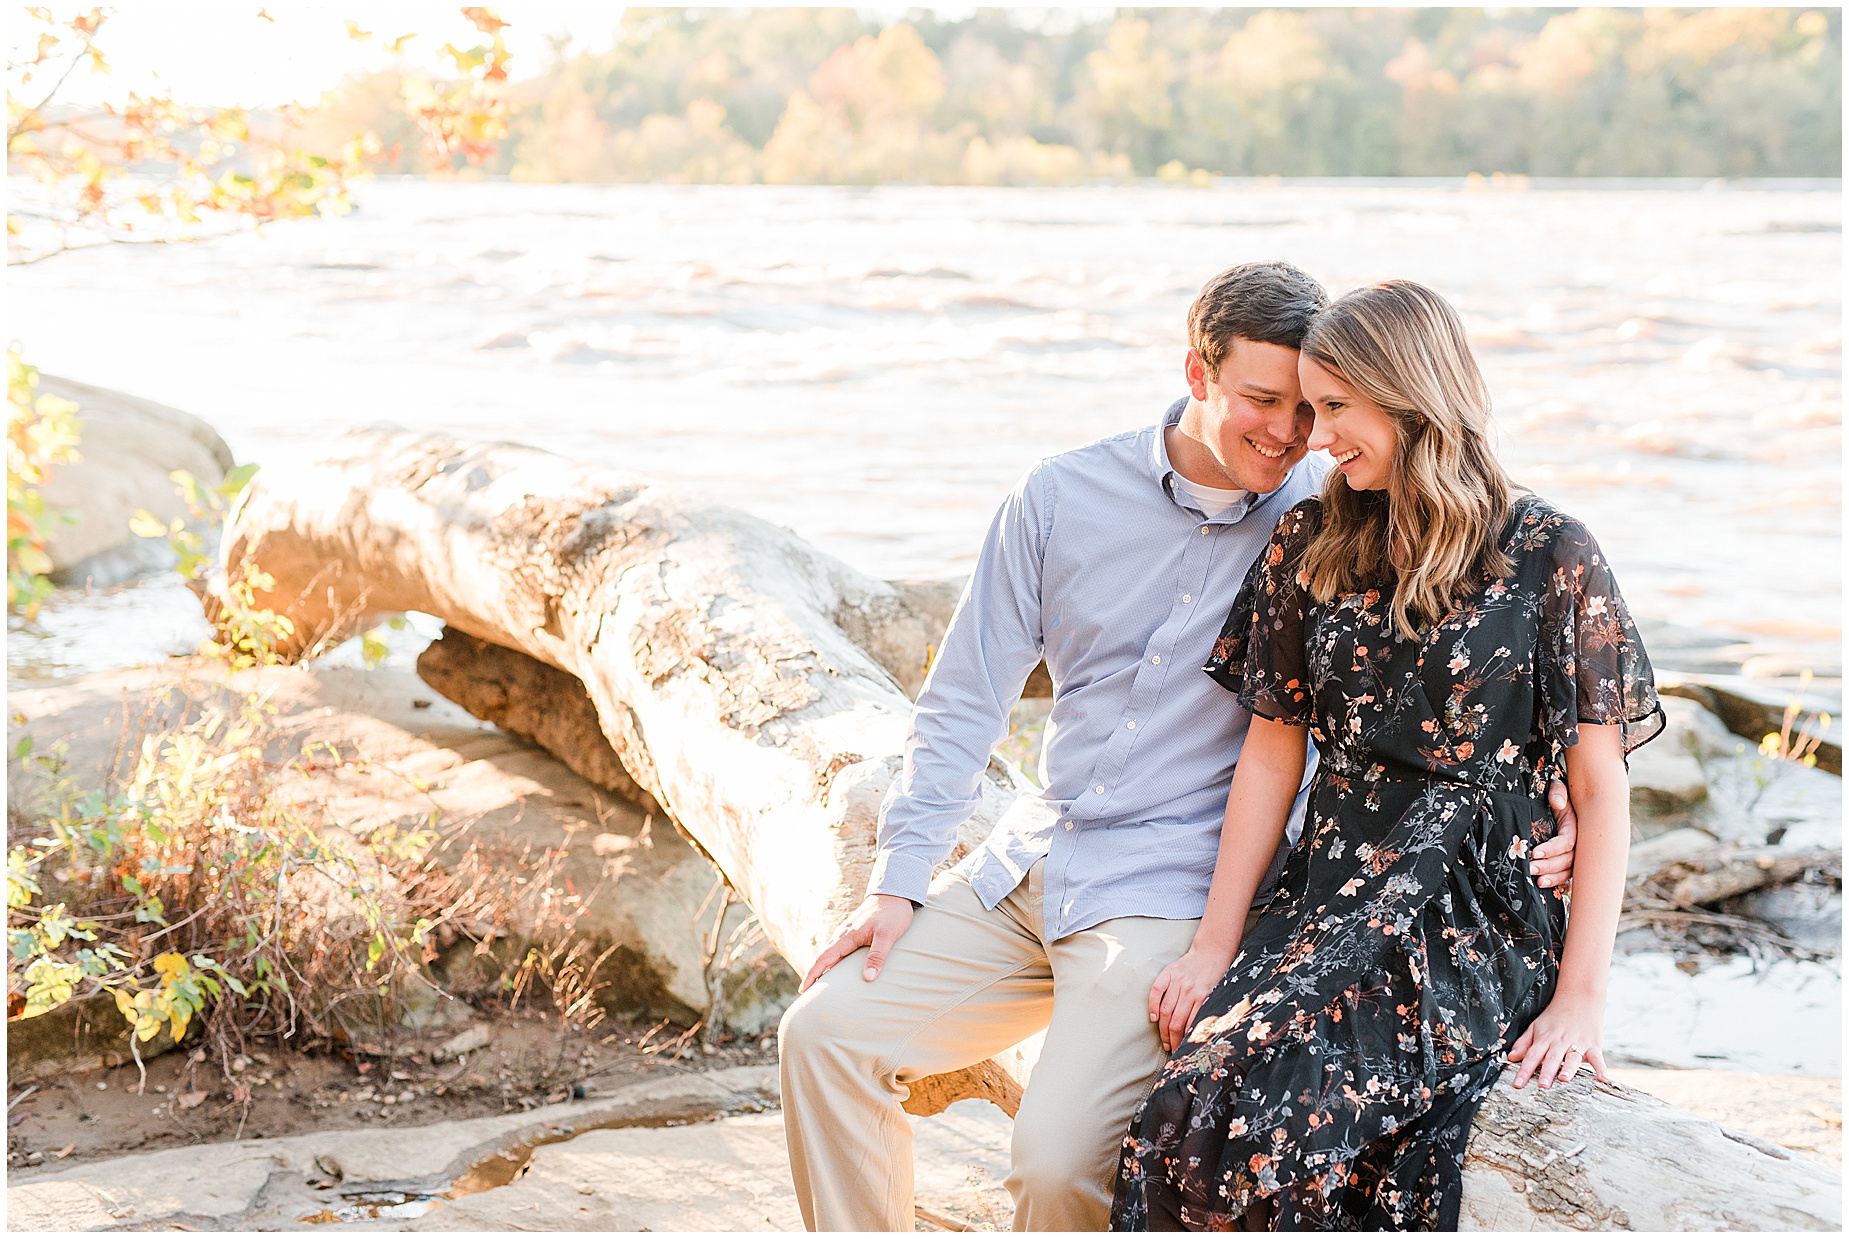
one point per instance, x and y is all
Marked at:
(1265, 782)
(1571, 1029)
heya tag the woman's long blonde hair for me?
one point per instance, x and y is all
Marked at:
(1439, 521)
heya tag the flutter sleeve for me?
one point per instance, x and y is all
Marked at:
(1259, 654)
(1592, 662)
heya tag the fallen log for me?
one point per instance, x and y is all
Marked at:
(533, 700)
(757, 690)
(1591, 1156)
(752, 686)
(1725, 872)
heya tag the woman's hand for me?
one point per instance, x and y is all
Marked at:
(1551, 863)
(1181, 989)
(1569, 1032)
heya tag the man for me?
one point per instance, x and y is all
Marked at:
(1117, 562)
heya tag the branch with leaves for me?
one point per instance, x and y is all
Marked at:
(149, 169)
(463, 118)
(41, 431)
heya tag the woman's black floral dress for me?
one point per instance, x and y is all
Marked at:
(1338, 1065)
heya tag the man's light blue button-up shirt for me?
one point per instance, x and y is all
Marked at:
(1099, 562)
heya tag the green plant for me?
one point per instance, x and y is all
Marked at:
(1794, 744)
(249, 635)
(42, 430)
(199, 878)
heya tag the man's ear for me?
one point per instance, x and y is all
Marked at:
(1195, 369)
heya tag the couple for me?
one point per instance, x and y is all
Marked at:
(1292, 976)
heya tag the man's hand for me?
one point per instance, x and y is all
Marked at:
(1552, 862)
(877, 924)
(1179, 992)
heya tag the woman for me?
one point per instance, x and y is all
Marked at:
(1451, 645)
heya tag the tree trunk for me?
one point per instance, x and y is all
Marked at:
(753, 687)
(1590, 1156)
(757, 690)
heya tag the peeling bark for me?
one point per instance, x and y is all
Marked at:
(1590, 1156)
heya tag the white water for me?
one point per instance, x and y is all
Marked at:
(874, 367)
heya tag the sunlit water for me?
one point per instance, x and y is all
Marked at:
(875, 367)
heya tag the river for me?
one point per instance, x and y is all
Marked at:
(874, 367)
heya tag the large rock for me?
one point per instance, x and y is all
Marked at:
(1809, 913)
(650, 895)
(82, 1036)
(128, 448)
(1667, 779)
(1691, 728)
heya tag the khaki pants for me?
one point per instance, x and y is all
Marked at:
(962, 984)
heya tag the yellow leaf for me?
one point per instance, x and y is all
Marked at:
(171, 965)
(146, 525)
(356, 34)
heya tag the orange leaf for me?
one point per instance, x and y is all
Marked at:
(485, 19)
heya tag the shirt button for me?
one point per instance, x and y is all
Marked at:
(1067, 825)
(1099, 789)
(1187, 597)
(1157, 658)
(1131, 724)
(1203, 529)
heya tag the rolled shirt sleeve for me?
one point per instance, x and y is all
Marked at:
(993, 643)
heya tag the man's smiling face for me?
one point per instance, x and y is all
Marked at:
(1251, 422)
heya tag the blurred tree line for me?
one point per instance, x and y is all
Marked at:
(1008, 97)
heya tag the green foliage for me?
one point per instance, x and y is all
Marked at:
(829, 95)
(201, 878)
(249, 634)
(41, 431)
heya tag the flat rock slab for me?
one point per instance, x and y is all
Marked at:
(265, 1184)
(611, 1165)
(730, 1173)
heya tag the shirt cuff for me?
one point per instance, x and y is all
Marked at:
(895, 873)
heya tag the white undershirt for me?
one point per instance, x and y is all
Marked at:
(1212, 499)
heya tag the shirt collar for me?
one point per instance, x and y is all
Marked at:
(1163, 471)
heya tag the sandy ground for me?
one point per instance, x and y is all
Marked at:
(76, 1119)
(1784, 1017)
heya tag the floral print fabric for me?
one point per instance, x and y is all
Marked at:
(1337, 1067)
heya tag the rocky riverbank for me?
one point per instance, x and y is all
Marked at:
(688, 1150)
(1732, 927)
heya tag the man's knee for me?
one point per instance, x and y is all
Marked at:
(823, 1022)
(806, 1023)
(1055, 1159)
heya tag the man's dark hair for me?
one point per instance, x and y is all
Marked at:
(1270, 302)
